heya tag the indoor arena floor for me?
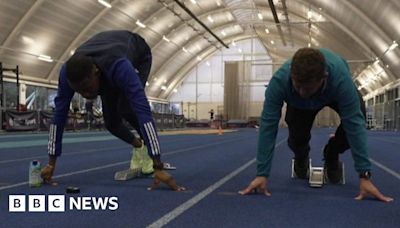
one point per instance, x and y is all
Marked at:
(213, 168)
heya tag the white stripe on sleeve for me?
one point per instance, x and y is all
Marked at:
(152, 138)
(52, 139)
(155, 138)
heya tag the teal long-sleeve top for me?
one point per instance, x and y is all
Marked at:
(339, 88)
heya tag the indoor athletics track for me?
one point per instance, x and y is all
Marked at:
(213, 168)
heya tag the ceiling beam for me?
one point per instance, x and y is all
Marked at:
(14, 33)
(200, 22)
(77, 39)
(276, 19)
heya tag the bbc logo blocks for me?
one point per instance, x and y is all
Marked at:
(58, 203)
(36, 203)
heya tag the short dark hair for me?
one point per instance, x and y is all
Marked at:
(78, 68)
(308, 64)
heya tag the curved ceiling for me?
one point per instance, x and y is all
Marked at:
(361, 31)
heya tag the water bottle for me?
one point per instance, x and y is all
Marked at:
(34, 174)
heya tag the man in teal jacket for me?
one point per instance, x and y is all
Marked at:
(311, 80)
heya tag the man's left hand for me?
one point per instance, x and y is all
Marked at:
(368, 188)
(165, 177)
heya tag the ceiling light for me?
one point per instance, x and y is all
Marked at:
(393, 46)
(210, 19)
(45, 58)
(309, 14)
(27, 40)
(266, 31)
(193, 1)
(165, 38)
(260, 16)
(184, 49)
(104, 3)
(140, 24)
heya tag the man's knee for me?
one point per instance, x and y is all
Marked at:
(338, 144)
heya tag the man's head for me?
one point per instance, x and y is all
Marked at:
(83, 76)
(308, 71)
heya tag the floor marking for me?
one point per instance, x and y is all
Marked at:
(17, 135)
(95, 151)
(70, 174)
(64, 154)
(227, 193)
(191, 202)
(120, 163)
(207, 145)
(385, 168)
(385, 140)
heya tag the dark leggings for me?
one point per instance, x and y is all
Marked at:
(300, 122)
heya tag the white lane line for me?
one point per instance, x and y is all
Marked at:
(70, 174)
(191, 202)
(105, 149)
(65, 154)
(119, 163)
(385, 168)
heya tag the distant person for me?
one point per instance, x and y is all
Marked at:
(211, 114)
(114, 65)
(311, 80)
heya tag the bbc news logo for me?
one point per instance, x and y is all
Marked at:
(57, 203)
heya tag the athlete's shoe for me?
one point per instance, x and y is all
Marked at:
(135, 160)
(146, 161)
(332, 166)
(302, 168)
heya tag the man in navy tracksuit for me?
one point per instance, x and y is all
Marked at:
(311, 80)
(114, 65)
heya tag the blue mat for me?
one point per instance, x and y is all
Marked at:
(213, 168)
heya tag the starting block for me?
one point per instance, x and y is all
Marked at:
(317, 176)
(127, 174)
(294, 173)
(342, 180)
(316, 179)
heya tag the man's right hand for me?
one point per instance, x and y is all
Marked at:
(162, 176)
(48, 170)
(258, 184)
(47, 175)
